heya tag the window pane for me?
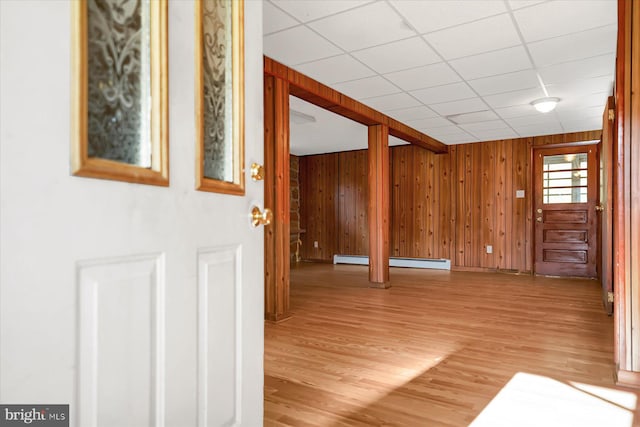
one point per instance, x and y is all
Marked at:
(564, 178)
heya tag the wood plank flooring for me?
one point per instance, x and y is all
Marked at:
(433, 350)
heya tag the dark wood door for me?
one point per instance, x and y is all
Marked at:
(565, 195)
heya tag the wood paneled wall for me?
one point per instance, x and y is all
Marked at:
(626, 190)
(353, 233)
(485, 208)
(319, 206)
(420, 208)
(442, 205)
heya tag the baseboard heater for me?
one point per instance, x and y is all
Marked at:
(438, 264)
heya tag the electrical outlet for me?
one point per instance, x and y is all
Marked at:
(489, 249)
(315, 244)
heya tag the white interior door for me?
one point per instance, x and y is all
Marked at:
(137, 305)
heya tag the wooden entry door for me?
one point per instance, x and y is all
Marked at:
(565, 218)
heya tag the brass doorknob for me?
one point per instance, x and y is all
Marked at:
(539, 219)
(257, 172)
(599, 208)
(259, 217)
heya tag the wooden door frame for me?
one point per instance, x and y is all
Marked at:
(534, 149)
(605, 273)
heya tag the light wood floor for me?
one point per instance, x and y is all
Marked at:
(433, 350)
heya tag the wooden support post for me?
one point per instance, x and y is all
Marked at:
(276, 198)
(379, 205)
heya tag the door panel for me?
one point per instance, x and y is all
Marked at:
(219, 377)
(564, 236)
(134, 304)
(121, 307)
(564, 211)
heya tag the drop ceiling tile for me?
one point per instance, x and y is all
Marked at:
(539, 129)
(584, 101)
(367, 26)
(519, 4)
(484, 126)
(492, 63)
(437, 94)
(391, 102)
(462, 139)
(431, 123)
(412, 113)
(393, 141)
(525, 79)
(516, 111)
(603, 65)
(308, 10)
(459, 107)
(517, 97)
(400, 55)
(296, 45)
(273, 19)
(329, 133)
(335, 69)
(447, 131)
(443, 14)
(366, 88)
(586, 44)
(423, 77)
(495, 134)
(488, 34)
(479, 116)
(540, 119)
(582, 87)
(549, 19)
(581, 114)
(591, 123)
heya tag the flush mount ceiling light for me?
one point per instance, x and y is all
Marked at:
(544, 105)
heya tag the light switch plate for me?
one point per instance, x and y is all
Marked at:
(489, 249)
(519, 194)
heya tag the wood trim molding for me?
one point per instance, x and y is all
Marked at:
(379, 205)
(276, 198)
(568, 139)
(625, 378)
(325, 97)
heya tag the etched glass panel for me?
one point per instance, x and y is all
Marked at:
(119, 101)
(564, 178)
(218, 89)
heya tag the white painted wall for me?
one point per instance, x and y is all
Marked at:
(51, 223)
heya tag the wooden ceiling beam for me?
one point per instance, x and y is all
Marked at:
(323, 96)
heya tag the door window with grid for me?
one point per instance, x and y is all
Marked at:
(564, 178)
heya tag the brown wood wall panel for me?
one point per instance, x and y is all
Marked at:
(442, 205)
(319, 207)
(353, 234)
(502, 201)
(445, 220)
(420, 223)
